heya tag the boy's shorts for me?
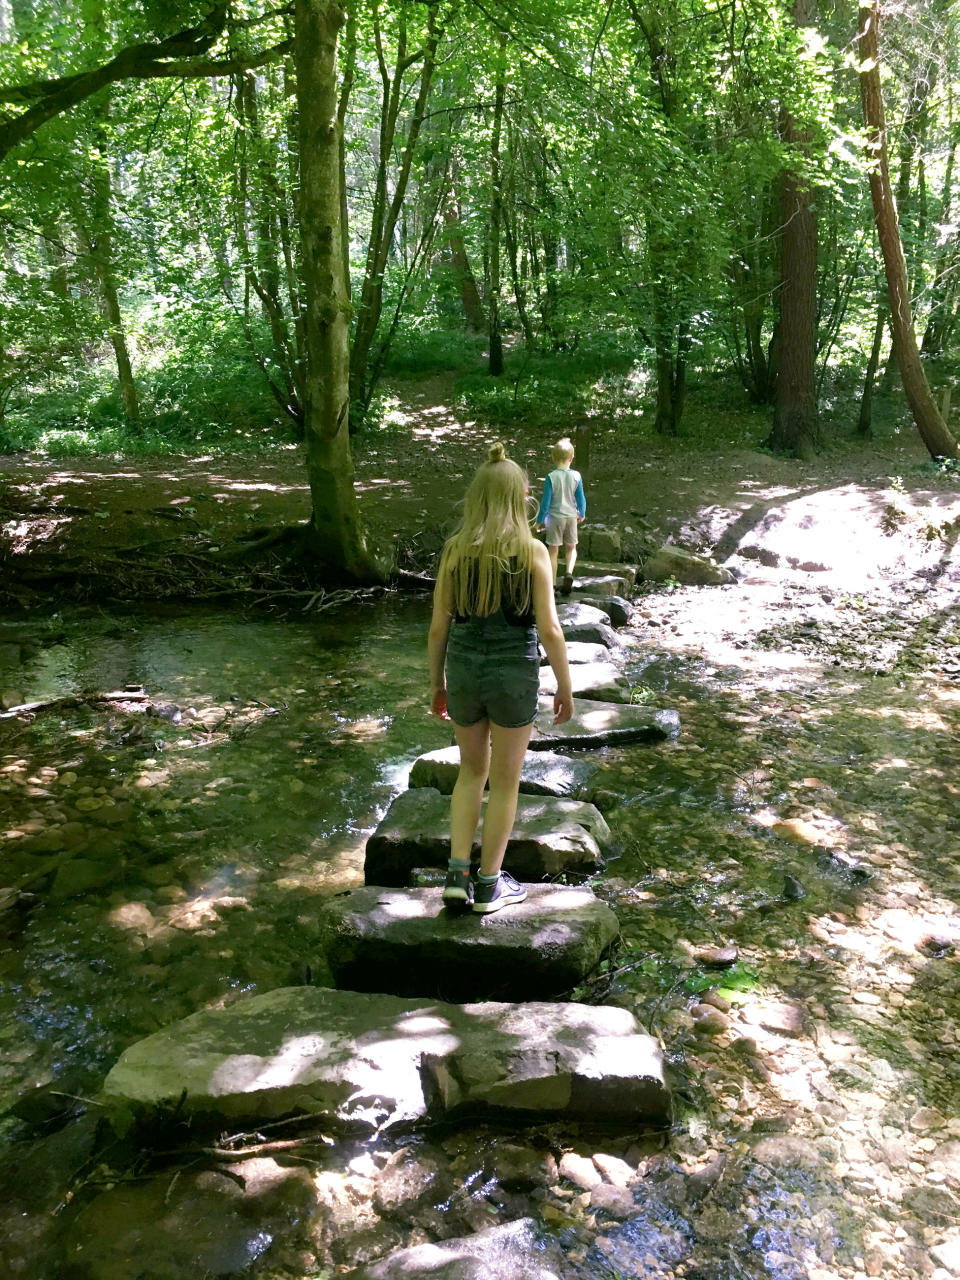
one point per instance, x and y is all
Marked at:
(561, 531)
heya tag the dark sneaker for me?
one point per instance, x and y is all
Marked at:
(458, 889)
(567, 585)
(491, 897)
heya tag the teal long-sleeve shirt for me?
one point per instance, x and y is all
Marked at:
(547, 499)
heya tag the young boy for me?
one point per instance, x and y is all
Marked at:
(562, 508)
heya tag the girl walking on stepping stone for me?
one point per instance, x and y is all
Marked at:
(494, 594)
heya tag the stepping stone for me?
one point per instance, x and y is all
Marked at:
(584, 622)
(599, 680)
(549, 836)
(404, 941)
(515, 1251)
(578, 651)
(592, 569)
(575, 614)
(608, 584)
(544, 774)
(367, 1063)
(598, 724)
(616, 608)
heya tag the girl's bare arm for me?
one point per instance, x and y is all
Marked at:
(437, 644)
(551, 634)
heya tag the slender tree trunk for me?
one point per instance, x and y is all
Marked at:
(338, 539)
(496, 215)
(865, 421)
(931, 426)
(386, 210)
(98, 234)
(466, 282)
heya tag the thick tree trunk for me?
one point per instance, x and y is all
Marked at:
(338, 540)
(796, 424)
(496, 217)
(931, 426)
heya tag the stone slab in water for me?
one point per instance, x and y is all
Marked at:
(599, 680)
(575, 614)
(616, 608)
(515, 1251)
(549, 836)
(597, 724)
(544, 773)
(608, 584)
(367, 1063)
(579, 651)
(405, 942)
(593, 569)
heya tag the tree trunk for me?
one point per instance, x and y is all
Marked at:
(98, 236)
(931, 426)
(466, 282)
(796, 424)
(496, 207)
(337, 536)
(865, 422)
(386, 210)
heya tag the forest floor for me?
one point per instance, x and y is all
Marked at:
(807, 816)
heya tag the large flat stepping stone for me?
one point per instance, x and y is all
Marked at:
(608, 584)
(593, 569)
(579, 651)
(599, 724)
(404, 941)
(514, 1251)
(549, 836)
(366, 1063)
(602, 681)
(543, 774)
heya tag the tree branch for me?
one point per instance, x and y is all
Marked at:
(179, 56)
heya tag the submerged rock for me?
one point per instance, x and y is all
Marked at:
(549, 836)
(598, 724)
(512, 1252)
(371, 1062)
(544, 773)
(405, 942)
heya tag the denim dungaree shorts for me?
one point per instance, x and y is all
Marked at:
(493, 672)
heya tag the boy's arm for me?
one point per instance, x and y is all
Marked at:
(545, 501)
(580, 500)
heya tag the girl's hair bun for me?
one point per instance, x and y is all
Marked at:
(496, 452)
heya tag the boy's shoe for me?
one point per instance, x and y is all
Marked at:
(491, 897)
(458, 889)
(567, 585)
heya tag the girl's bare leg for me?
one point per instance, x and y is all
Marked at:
(474, 743)
(554, 557)
(508, 747)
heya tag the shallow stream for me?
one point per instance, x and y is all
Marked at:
(788, 818)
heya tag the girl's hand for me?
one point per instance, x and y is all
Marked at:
(562, 707)
(438, 704)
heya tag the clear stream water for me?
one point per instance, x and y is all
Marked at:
(202, 840)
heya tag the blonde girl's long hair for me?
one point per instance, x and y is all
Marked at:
(487, 562)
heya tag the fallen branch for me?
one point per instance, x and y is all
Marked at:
(71, 700)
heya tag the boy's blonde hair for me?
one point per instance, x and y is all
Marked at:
(563, 450)
(476, 560)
